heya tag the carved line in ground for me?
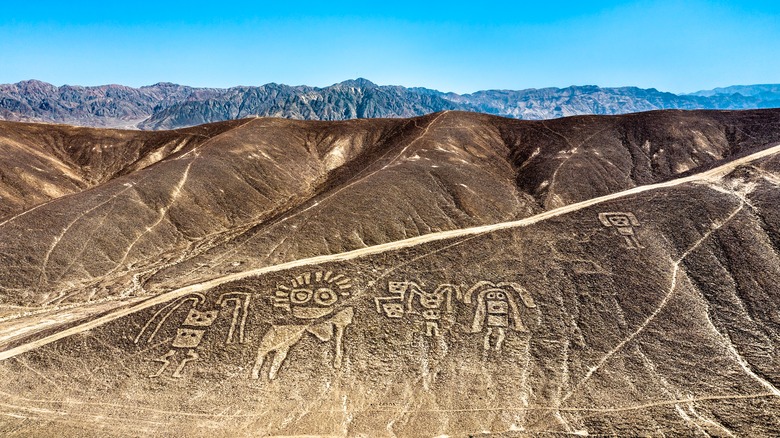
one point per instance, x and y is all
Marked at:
(496, 314)
(84, 244)
(64, 308)
(573, 152)
(659, 308)
(420, 257)
(62, 165)
(354, 180)
(769, 176)
(665, 386)
(191, 330)
(688, 420)
(700, 419)
(221, 257)
(744, 364)
(124, 296)
(72, 194)
(136, 282)
(201, 145)
(60, 415)
(136, 285)
(298, 300)
(75, 258)
(24, 363)
(34, 208)
(400, 244)
(653, 404)
(163, 212)
(64, 231)
(713, 422)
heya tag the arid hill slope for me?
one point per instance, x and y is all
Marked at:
(648, 311)
(147, 212)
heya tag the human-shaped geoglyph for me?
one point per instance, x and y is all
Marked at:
(190, 332)
(312, 299)
(408, 298)
(624, 223)
(497, 310)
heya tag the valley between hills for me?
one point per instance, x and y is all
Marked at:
(454, 274)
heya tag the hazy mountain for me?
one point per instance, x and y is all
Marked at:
(170, 106)
(452, 274)
(767, 90)
(107, 105)
(358, 99)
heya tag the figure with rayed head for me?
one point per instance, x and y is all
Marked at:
(497, 310)
(313, 300)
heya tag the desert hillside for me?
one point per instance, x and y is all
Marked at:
(451, 274)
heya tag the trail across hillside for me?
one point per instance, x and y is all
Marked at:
(707, 176)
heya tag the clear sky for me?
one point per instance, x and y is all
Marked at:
(678, 46)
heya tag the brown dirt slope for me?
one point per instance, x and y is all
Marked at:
(171, 208)
(654, 311)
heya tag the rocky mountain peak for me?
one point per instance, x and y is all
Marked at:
(168, 106)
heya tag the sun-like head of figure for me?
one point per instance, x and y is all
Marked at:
(313, 294)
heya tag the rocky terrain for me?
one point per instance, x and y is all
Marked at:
(452, 274)
(170, 106)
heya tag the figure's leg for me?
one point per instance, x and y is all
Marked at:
(341, 321)
(258, 363)
(165, 361)
(486, 345)
(278, 339)
(266, 346)
(279, 356)
(191, 355)
(432, 329)
(500, 339)
(339, 347)
(636, 241)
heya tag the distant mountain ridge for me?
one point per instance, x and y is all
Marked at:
(770, 90)
(172, 106)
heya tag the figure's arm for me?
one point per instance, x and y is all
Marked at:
(524, 295)
(413, 289)
(447, 290)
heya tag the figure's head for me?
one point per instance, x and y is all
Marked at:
(496, 301)
(201, 319)
(432, 300)
(618, 219)
(495, 295)
(317, 295)
(313, 295)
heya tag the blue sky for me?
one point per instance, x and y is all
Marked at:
(678, 46)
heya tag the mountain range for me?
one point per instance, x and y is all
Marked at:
(171, 106)
(452, 274)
